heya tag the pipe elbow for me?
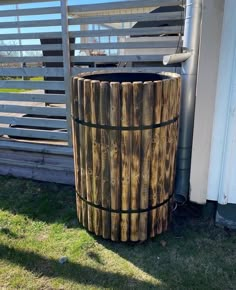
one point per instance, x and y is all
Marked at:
(176, 58)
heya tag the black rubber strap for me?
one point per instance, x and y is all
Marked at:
(126, 128)
(123, 210)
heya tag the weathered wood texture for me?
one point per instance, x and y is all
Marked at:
(82, 153)
(129, 171)
(154, 185)
(126, 153)
(105, 158)
(147, 119)
(75, 138)
(96, 149)
(115, 158)
(88, 146)
(135, 159)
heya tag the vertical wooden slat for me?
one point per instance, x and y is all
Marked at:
(126, 117)
(105, 159)
(169, 153)
(88, 151)
(82, 150)
(66, 64)
(165, 152)
(75, 137)
(96, 148)
(154, 196)
(172, 137)
(161, 159)
(135, 161)
(176, 112)
(115, 159)
(147, 119)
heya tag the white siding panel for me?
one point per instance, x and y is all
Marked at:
(222, 181)
(213, 11)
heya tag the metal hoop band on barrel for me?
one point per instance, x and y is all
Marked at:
(129, 211)
(126, 128)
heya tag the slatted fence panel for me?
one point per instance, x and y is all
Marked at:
(42, 48)
(32, 89)
(126, 36)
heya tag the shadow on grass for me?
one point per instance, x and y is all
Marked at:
(52, 203)
(51, 268)
(47, 202)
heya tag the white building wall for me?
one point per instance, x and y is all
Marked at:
(213, 11)
(222, 170)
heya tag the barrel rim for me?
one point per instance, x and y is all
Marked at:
(164, 76)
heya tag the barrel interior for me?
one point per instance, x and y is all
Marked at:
(125, 77)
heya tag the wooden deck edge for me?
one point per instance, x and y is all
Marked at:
(40, 162)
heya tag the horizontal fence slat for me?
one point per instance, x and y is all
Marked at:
(116, 58)
(76, 71)
(47, 85)
(39, 134)
(15, 59)
(35, 122)
(38, 23)
(32, 11)
(127, 31)
(32, 72)
(127, 18)
(23, 1)
(128, 45)
(91, 33)
(123, 5)
(21, 97)
(47, 111)
(38, 47)
(23, 167)
(38, 148)
(147, 51)
(42, 172)
(35, 35)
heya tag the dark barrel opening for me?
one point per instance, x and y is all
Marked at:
(125, 77)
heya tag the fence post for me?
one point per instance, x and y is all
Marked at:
(66, 65)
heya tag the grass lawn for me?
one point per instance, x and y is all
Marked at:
(12, 90)
(38, 226)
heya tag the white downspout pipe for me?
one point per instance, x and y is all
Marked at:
(192, 32)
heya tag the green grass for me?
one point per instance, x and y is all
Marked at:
(12, 90)
(36, 79)
(38, 225)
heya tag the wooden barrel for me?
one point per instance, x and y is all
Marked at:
(125, 130)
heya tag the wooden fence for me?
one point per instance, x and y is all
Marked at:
(42, 48)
